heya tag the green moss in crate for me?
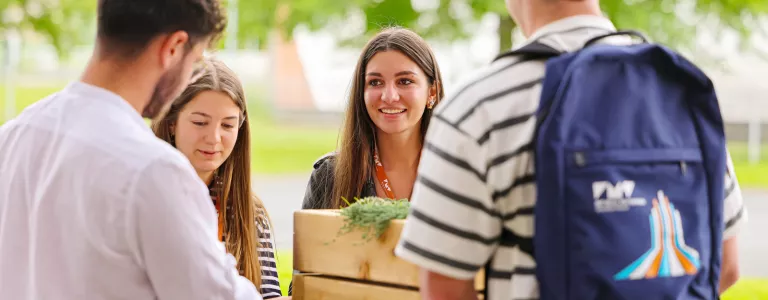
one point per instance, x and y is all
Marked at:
(372, 215)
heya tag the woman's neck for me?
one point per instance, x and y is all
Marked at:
(399, 151)
(206, 177)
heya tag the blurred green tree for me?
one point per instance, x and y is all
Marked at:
(673, 22)
(64, 23)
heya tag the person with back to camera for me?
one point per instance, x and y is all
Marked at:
(92, 204)
(621, 180)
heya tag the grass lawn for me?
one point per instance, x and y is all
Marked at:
(285, 269)
(748, 289)
(282, 149)
(750, 175)
(275, 149)
(26, 95)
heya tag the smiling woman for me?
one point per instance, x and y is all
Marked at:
(395, 86)
(208, 123)
(396, 93)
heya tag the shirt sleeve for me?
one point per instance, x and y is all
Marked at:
(453, 227)
(270, 279)
(734, 210)
(175, 227)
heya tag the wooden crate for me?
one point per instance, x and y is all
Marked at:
(319, 249)
(318, 287)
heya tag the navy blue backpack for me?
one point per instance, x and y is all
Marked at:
(630, 167)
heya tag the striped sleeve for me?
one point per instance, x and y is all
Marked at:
(734, 211)
(454, 227)
(270, 284)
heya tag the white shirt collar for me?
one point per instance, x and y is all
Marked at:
(106, 96)
(571, 23)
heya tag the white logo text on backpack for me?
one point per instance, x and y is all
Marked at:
(612, 198)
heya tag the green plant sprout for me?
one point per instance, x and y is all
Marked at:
(372, 215)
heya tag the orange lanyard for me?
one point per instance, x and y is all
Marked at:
(221, 220)
(220, 216)
(382, 176)
(216, 195)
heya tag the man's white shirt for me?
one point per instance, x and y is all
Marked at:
(94, 206)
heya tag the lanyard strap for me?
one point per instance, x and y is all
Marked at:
(382, 176)
(216, 192)
(221, 220)
(221, 217)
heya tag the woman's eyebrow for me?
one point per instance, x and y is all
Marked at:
(208, 116)
(396, 74)
(200, 113)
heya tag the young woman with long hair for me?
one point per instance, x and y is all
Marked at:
(208, 123)
(396, 85)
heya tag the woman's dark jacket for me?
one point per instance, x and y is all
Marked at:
(320, 187)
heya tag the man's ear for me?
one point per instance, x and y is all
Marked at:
(172, 48)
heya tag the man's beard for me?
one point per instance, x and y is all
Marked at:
(166, 90)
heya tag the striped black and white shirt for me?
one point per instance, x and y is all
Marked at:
(270, 283)
(472, 204)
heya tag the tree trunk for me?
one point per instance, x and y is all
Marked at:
(290, 86)
(506, 26)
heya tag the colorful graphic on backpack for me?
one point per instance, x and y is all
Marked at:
(630, 160)
(669, 256)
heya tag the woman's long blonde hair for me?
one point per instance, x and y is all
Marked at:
(242, 236)
(355, 155)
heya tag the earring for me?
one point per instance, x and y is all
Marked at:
(431, 103)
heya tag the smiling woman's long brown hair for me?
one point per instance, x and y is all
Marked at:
(355, 155)
(242, 239)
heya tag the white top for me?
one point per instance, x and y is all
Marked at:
(473, 201)
(94, 206)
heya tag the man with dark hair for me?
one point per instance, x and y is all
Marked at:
(175, 32)
(92, 204)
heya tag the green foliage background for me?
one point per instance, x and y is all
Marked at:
(66, 23)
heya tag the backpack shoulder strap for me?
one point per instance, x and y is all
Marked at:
(538, 50)
(533, 50)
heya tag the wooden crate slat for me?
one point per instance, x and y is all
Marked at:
(319, 249)
(318, 287)
(313, 287)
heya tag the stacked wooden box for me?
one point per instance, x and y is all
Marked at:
(346, 266)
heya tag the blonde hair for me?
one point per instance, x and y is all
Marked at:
(242, 236)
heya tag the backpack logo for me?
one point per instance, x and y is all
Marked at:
(616, 197)
(669, 256)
